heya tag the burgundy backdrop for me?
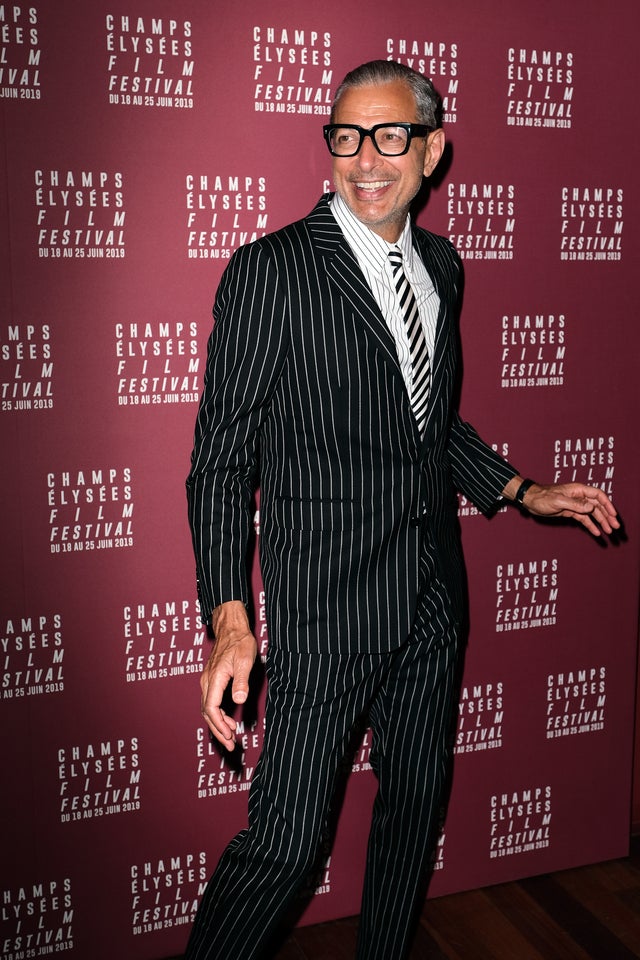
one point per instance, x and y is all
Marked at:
(145, 141)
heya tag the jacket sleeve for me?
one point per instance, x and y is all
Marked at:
(478, 471)
(246, 352)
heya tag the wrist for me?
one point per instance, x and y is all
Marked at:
(520, 493)
(230, 616)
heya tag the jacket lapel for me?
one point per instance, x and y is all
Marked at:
(347, 278)
(344, 273)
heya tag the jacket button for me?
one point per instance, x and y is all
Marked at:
(415, 521)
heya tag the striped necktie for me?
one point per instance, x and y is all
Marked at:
(419, 353)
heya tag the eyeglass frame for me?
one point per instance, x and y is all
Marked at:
(413, 129)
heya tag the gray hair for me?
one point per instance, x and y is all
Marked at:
(377, 72)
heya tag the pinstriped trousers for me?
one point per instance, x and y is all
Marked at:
(313, 703)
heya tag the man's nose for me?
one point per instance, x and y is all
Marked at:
(368, 156)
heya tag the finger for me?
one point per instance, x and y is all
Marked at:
(599, 501)
(601, 510)
(607, 507)
(222, 727)
(596, 522)
(240, 686)
(206, 688)
(584, 519)
(606, 521)
(587, 522)
(595, 512)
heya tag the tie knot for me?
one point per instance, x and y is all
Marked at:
(395, 256)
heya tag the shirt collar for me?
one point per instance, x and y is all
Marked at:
(365, 241)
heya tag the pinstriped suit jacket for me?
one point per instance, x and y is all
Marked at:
(304, 393)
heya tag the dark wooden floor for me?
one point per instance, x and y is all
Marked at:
(588, 912)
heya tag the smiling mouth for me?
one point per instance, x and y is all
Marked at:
(372, 185)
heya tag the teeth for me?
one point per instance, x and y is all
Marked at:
(373, 185)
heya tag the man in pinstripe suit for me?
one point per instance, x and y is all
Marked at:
(308, 390)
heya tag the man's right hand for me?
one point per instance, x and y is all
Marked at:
(232, 658)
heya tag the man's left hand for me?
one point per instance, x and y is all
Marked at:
(590, 506)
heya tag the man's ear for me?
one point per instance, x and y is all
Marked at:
(435, 148)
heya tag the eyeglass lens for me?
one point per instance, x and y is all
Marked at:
(389, 140)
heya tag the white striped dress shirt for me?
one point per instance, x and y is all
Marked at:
(372, 254)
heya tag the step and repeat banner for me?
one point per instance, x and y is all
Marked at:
(145, 140)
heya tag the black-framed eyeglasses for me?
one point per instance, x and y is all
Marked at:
(389, 139)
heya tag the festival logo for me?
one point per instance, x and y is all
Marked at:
(520, 821)
(324, 881)
(480, 717)
(223, 213)
(437, 862)
(26, 362)
(436, 60)
(260, 630)
(37, 919)
(80, 214)
(19, 53)
(591, 223)
(532, 350)
(361, 760)
(291, 70)
(165, 892)
(157, 362)
(539, 88)
(90, 509)
(162, 640)
(526, 594)
(576, 702)
(150, 62)
(481, 220)
(99, 779)
(585, 460)
(32, 652)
